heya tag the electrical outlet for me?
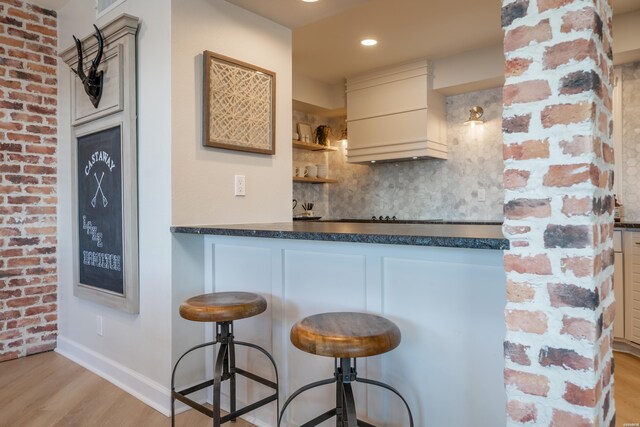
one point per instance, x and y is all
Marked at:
(482, 195)
(99, 325)
(240, 188)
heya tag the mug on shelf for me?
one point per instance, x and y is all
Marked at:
(301, 171)
(311, 171)
(323, 171)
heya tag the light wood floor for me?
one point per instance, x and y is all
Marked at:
(47, 390)
(627, 389)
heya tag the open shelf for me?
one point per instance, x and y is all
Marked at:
(313, 147)
(315, 180)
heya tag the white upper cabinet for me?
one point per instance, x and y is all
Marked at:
(394, 114)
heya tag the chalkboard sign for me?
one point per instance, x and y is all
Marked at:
(100, 231)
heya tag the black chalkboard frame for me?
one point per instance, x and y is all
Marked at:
(95, 259)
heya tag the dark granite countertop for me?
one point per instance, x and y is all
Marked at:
(452, 235)
(627, 225)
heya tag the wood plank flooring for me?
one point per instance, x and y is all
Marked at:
(627, 389)
(48, 390)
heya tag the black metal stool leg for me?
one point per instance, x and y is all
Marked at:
(217, 382)
(388, 387)
(232, 374)
(344, 394)
(173, 409)
(225, 369)
(276, 385)
(173, 377)
(302, 390)
(345, 409)
(350, 417)
(339, 398)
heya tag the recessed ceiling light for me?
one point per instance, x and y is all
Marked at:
(369, 42)
(309, 1)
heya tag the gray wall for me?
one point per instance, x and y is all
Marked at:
(421, 189)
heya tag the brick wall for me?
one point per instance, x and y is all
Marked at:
(28, 168)
(558, 212)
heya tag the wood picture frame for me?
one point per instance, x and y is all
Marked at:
(239, 106)
(105, 215)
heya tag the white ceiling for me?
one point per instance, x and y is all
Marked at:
(296, 13)
(326, 34)
(50, 4)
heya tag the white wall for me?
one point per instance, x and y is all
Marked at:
(484, 68)
(469, 71)
(626, 43)
(135, 349)
(203, 176)
(314, 92)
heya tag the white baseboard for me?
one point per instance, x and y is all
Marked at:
(626, 346)
(142, 388)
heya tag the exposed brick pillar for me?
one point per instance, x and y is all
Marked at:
(28, 168)
(558, 212)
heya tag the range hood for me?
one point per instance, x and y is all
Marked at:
(394, 114)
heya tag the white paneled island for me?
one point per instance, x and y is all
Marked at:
(442, 284)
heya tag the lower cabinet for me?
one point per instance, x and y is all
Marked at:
(618, 285)
(632, 286)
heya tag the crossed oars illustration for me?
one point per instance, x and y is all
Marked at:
(99, 189)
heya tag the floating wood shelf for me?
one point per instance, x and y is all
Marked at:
(315, 180)
(313, 147)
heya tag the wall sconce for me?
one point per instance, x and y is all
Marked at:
(343, 137)
(475, 116)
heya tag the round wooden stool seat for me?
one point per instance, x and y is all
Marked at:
(345, 335)
(222, 306)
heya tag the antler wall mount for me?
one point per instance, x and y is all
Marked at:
(92, 81)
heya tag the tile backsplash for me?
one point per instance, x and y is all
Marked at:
(420, 189)
(630, 196)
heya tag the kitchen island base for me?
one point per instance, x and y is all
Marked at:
(448, 303)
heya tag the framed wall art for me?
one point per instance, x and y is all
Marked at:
(104, 178)
(239, 105)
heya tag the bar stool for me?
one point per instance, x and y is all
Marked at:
(223, 308)
(344, 336)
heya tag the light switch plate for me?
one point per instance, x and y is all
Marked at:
(240, 188)
(99, 325)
